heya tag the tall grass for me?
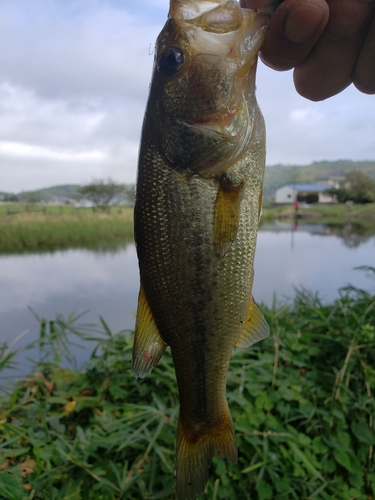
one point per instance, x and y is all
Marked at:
(362, 215)
(302, 403)
(83, 228)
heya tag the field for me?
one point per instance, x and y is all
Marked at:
(323, 213)
(302, 402)
(33, 228)
(41, 228)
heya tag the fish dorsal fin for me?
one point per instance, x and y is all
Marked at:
(148, 344)
(255, 327)
(227, 209)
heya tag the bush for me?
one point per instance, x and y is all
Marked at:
(302, 403)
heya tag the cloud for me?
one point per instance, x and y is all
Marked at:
(17, 149)
(305, 116)
(300, 132)
(60, 49)
(74, 79)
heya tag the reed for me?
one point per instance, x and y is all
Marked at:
(302, 403)
(38, 231)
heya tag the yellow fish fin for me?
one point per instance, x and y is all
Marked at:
(260, 199)
(195, 452)
(226, 217)
(148, 344)
(255, 327)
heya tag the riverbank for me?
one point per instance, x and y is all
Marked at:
(322, 213)
(38, 230)
(302, 402)
(33, 228)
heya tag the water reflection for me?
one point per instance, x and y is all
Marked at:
(106, 281)
(352, 234)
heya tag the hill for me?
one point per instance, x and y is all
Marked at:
(279, 175)
(58, 193)
(275, 176)
(48, 194)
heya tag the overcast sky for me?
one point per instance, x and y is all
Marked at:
(74, 77)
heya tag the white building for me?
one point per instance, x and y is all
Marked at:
(290, 192)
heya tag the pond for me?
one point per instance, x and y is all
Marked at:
(316, 257)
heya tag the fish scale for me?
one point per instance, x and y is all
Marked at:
(196, 217)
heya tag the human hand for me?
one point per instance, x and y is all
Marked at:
(329, 43)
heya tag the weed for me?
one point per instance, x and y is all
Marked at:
(302, 402)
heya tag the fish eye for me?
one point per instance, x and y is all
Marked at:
(171, 61)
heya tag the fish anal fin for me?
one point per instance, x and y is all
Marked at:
(148, 344)
(255, 327)
(226, 217)
(194, 455)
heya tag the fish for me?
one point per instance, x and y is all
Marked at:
(196, 215)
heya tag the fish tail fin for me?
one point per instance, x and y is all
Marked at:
(194, 455)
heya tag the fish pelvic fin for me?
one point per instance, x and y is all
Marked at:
(226, 217)
(194, 455)
(148, 344)
(255, 328)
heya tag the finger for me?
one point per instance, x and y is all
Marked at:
(364, 71)
(292, 32)
(328, 69)
(257, 4)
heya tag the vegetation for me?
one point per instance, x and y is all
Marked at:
(302, 403)
(30, 228)
(54, 229)
(275, 177)
(356, 187)
(103, 192)
(323, 213)
(64, 192)
(67, 191)
(279, 175)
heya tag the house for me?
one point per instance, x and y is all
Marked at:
(303, 192)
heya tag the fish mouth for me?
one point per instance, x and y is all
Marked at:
(222, 121)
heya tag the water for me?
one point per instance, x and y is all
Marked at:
(106, 283)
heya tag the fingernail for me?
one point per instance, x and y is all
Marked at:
(303, 22)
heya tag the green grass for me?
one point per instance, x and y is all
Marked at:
(302, 403)
(327, 213)
(41, 228)
(39, 231)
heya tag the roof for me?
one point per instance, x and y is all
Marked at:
(309, 187)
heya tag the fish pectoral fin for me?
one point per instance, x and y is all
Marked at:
(148, 344)
(255, 328)
(226, 217)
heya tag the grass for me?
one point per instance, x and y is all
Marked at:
(31, 228)
(54, 229)
(302, 403)
(323, 213)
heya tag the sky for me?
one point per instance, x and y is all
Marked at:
(74, 78)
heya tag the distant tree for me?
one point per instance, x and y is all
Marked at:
(308, 197)
(130, 194)
(102, 192)
(356, 187)
(32, 199)
(11, 197)
(360, 187)
(341, 195)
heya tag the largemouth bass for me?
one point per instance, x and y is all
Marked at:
(198, 203)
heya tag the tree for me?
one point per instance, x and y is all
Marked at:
(102, 192)
(361, 188)
(130, 194)
(356, 187)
